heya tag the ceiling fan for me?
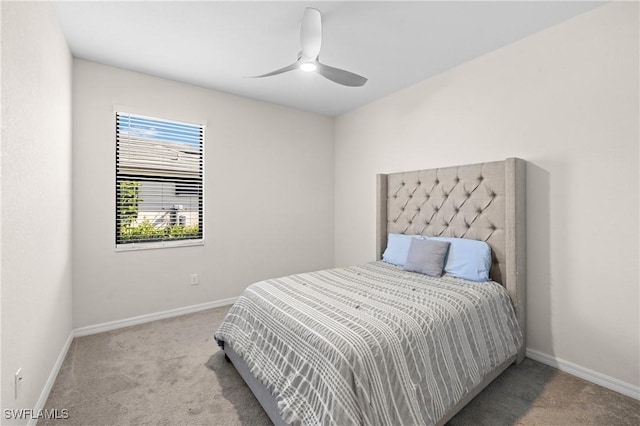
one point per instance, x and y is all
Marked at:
(310, 42)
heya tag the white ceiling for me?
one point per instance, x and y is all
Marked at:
(218, 44)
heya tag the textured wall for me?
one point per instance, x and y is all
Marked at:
(268, 196)
(566, 100)
(36, 197)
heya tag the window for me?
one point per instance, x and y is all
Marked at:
(159, 182)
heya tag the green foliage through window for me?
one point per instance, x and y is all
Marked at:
(147, 231)
(132, 231)
(129, 201)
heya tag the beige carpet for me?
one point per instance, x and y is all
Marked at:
(171, 372)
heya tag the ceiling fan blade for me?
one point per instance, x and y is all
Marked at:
(280, 71)
(311, 33)
(339, 76)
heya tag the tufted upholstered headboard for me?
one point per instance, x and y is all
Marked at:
(483, 201)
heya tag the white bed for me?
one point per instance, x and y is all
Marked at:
(360, 345)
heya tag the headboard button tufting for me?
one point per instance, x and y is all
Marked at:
(478, 201)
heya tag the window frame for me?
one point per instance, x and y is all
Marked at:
(160, 244)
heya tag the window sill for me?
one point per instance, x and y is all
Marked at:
(158, 245)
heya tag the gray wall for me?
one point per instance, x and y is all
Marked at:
(566, 100)
(36, 198)
(268, 196)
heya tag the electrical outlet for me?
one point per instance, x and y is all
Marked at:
(194, 279)
(18, 382)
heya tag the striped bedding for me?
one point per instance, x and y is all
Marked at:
(370, 344)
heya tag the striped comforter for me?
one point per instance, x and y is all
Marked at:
(370, 344)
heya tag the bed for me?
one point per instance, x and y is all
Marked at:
(375, 344)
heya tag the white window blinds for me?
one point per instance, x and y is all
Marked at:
(159, 180)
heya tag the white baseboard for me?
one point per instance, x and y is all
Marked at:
(562, 365)
(44, 395)
(584, 373)
(114, 325)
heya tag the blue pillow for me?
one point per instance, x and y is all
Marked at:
(398, 248)
(468, 259)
